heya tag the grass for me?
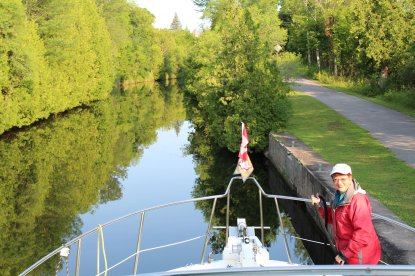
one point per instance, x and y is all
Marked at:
(399, 100)
(338, 140)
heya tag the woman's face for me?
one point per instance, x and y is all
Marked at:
(342, 181)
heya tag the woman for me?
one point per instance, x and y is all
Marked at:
(351, 216)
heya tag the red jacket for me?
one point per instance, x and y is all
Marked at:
(354, 233)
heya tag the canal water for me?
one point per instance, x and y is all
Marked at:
(66, 175)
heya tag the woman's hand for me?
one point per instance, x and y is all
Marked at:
(315, 199)
(339, 260)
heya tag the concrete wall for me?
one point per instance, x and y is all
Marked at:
(307, 173)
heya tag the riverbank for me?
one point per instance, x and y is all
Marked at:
(337, 140)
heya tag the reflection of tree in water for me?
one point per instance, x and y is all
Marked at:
(299, 223)
(60, 168)
(173, 107)
(111, 191)
(299, 249)
(215, 168)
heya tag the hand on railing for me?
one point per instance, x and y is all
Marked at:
(315, 199)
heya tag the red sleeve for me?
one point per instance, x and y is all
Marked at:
(361, 218)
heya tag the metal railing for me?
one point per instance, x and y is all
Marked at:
(99, 229)
(334, 270)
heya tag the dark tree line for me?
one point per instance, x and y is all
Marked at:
(370, 40)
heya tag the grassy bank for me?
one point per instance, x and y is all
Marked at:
(337, 139)
(399, 100)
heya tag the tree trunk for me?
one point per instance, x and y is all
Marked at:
(308, 52)
(335, 66)
(318, 59)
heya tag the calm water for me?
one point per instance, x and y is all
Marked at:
(65, 176)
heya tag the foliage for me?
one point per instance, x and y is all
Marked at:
(24, 76)
(117, 18)
(77, 45)
(405, 77)
(141, 52)
(233, 77)
(143, 56)
(403, 97)
(59, 55)
(379, 38)
(68, 39)
(370, 40)
(290, 65)
(402, 100)
(175, 46)
(61, 168)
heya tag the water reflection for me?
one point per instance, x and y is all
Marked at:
(214, 167)
(68, 174)
(58, 169)
(300, 224)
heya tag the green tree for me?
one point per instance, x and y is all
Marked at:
(306, 24)
(24, 76)
(175, 24)
(117, 18)
(176, 46)
(265, 16)
(69, 39)
(363, 40)
(59, 55)
(384, 32)
(234, 79)
(78, 51)
(144, 54)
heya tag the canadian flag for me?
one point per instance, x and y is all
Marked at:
(244, 166)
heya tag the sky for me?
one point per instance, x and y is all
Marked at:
(164, 12)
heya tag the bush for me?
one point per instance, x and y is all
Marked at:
(372, 90)
(290, 65)
(404, 98)
(407, 75)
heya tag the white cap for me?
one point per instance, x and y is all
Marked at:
(341, 169)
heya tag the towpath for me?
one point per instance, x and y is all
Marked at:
(394, 130)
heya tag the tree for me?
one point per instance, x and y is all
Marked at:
(144, 53)
(78, 51)
(364, 40)
(24, 75)
(117, 18)
(56, 55)
(176, 46)
(175, 24)
(384, 32)
(234, 78)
